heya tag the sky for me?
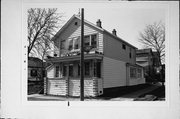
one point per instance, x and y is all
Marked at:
(127, 19)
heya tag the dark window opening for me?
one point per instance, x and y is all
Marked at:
(70, 44)
(64, 70)
(71, 70)
(130, 55)
(124, 46)
(93, 41)
(78, 69)
(57, 71)
(97, 69)
(87, 68)
(76, 43)
(76, 23)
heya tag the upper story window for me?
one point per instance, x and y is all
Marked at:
(86, 41)
(94, 41)
(70, 44)
(124, 46)
(90, 40)
(62, 44)
(76, 42)
(130, 54)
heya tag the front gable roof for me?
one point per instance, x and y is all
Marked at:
(92, 25)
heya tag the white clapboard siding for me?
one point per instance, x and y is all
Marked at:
(57, 87)
(113, 49)
(74, 88)
(114, 74)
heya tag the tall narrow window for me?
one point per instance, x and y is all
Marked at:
(97, 69)
(139, 73)
(71, 70)
(78, 69)
(62, 44)
(87, 68)
(57, 71)
(76, 43)
(94, 41)
(64, 70)
(70, 44)
(86, 41)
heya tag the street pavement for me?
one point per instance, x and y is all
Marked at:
(127, 97)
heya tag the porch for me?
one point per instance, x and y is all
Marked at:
(63, 78)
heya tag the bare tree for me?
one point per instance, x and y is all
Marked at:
(42, 25)
(153, 37)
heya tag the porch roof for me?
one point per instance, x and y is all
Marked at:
(75, 58)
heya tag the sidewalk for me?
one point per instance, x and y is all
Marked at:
(126, 97)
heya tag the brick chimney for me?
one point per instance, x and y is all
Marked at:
(98, 23)
(114, 32)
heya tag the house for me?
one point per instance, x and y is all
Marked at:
(110, 62)
(34, 69)
(150, 61)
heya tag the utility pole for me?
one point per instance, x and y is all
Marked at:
(82, 56)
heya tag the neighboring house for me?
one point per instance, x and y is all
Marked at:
(34, 69)
(109, 63)
(150, 61)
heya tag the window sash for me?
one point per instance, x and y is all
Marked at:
(57, 69)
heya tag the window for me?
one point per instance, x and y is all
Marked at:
(86, 41)
(132, 72)
(78, 69)
(57, 71)
(97, 69)
(76, 43)
(124, 46)
(76, 23)
(70, 44)
(94, 41)
(64, 70)
(87, 68)
(130, 55)
(71, 70)
(139, 73)
(62, 45)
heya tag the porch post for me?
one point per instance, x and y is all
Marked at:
(82, 56)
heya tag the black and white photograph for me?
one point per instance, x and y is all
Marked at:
(90, 59)
(96, 53)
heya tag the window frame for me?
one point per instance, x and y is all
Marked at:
(123, 46)
(132, 73)
(57, 72)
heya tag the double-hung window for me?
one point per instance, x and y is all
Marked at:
(57, 71)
